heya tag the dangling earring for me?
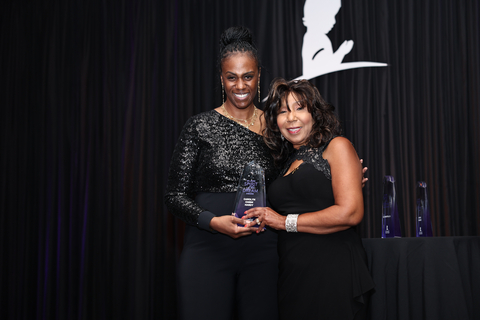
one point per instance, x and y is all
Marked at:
(281, 136)
(223, 94)
(258, 89)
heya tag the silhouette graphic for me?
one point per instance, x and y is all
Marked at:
(317, 52)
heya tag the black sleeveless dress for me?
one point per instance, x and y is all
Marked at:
(321, 276)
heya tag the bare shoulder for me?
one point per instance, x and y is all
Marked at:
(339, 142)
(339, 147)
(261, 114)
(261, 117)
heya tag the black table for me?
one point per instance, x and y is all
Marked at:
(425, 278)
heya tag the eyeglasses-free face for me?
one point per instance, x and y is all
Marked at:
(294, 121)
(240, 75)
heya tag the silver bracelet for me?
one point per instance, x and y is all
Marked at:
(291, 223)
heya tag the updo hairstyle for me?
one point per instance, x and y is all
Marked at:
(234, 40)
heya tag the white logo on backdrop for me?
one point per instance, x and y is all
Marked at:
(317, 53)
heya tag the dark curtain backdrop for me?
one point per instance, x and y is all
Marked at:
(95, 93)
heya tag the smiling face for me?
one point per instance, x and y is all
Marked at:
(240, 75)
(294, 121)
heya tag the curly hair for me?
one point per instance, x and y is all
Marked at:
(325, 123)
(234, 40)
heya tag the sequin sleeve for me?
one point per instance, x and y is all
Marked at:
(181, 176)
(209, 157)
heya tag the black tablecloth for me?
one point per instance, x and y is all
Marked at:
(425, 278)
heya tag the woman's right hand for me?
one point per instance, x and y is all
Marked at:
(229, 225)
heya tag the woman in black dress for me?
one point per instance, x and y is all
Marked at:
(316, 203)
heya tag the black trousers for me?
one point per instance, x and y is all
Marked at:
(224, 278)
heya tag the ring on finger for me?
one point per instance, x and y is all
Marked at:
(257, 221)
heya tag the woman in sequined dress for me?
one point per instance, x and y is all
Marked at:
(219, 257)
(316, 203)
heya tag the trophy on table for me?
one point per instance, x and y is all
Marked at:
(390, 219)
(250, 190)
(424, 225)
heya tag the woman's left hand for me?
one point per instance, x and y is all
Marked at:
(266, 217)
(364, 169)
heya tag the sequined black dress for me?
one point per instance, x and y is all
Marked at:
(321, 276)
(215, 271)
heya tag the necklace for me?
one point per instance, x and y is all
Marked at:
(242, 122)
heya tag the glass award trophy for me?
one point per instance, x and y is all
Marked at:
(390, 219)
(250, 190)
(424, 225)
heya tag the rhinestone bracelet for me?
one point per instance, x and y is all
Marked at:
(291, 223)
